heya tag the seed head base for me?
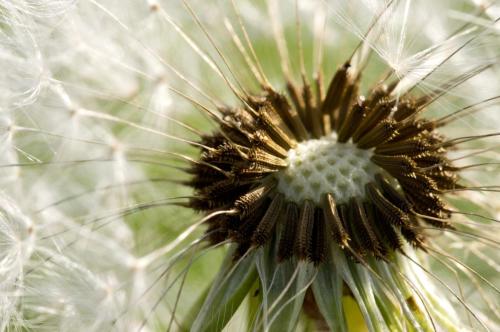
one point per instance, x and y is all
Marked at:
(359, 173)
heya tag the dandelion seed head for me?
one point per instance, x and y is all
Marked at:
(149, 140)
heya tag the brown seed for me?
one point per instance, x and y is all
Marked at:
(277, 129)
(252, 200)
(394, 214)
(266, 226)
(305, 226)
(363, 227)
(355, 115)
(389, 238)
(319, 245)
(335, 90)
(333, 220)
(288, 231)
(290, 115)
(411, 147)
(372, 118)
(382, 132)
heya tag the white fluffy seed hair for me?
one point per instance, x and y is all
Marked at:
(91, 95)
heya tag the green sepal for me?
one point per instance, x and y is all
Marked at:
(327, 289)
(230, 287)
(283, 287)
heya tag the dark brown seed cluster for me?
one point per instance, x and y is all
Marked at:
(236, 172)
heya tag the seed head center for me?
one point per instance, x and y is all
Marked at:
(320, 166)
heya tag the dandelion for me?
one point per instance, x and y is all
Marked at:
(269, 165)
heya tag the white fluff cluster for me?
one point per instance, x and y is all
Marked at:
(101, 103)
(69, 260)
